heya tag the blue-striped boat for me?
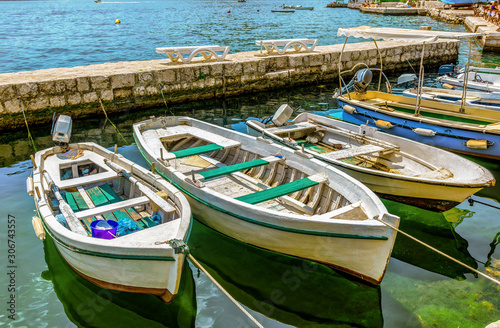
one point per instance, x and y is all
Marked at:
(466, 130)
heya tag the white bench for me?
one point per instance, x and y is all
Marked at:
(174, 53)
(272, 46)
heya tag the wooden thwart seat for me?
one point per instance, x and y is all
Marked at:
(272, 46)
(208, 52)
(282, 190)
(239, 167)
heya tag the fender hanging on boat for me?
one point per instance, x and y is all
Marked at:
(477, 144)
(383, 124)
(349, 109)
(424, 132)
(38, 227)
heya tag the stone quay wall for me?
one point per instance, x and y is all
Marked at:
(80, 91)
(491, 40)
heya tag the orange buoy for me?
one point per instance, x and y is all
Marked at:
(229, 11)
(477, 144)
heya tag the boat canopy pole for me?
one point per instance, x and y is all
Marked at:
(466, 79)
(340, 66)
(381, 65)
(438, 251)
(420, 81)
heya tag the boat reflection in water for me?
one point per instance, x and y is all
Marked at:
(290, 290)
(437, 230)
(88, 305)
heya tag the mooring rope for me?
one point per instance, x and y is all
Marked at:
(224, 291)
(160, 87)
(107, 119)
(472, 201)
(438, 251)
(27, 126)
(180, 246)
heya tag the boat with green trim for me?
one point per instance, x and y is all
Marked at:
(271, 197)
(115, 223)
(393, 167)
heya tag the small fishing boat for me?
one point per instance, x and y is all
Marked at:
(115, 223)
(283, 10)
(459, 128)
(460, 3)
(271, 197)
(393, 167)
(296, 7)
(484, 100)
(478, 78)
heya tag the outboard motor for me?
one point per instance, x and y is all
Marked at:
(362, 79)
(451, 70)
(359, 82)
(61, 130)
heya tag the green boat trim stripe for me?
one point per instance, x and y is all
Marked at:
(268, 225)
(106, 255)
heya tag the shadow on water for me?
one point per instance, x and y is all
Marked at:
(437, 230)
(290, 290)
(88, 305)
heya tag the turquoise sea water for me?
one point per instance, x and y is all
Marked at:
(420, 289)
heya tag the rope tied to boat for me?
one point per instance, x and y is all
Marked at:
(179, 247)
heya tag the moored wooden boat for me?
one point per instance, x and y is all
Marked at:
(261, 194)
(478, 78)
(484, 100)
(466, 130)
(393, 167)
(79, 187)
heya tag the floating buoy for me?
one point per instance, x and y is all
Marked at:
(38, 227)
(349, 109)
(383, 124)
(477, 144)
(229, 11)
(425, 132)
(117, 21)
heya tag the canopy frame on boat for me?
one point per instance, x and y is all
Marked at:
(405, 35)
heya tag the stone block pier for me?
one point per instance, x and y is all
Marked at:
(491, 40)
(123, 86)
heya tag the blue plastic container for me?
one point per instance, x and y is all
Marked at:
(104, 229)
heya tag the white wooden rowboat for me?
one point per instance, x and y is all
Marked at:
(76, 186)
(261, 194)
(393, 167)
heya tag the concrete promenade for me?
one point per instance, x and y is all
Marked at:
(126, 86)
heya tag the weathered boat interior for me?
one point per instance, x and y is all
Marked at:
(95, 192)
(254, 179)
(334, 143)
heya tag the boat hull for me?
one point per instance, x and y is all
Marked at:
(120, 272)
(446, 137)
(134, 262)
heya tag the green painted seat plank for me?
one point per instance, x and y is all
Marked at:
(109, 193)
(233, 168)
(147, 222)
(196, 150)
(97, 196)
(133, 213)
(82, 205)
(71, 201)
(282, 190)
